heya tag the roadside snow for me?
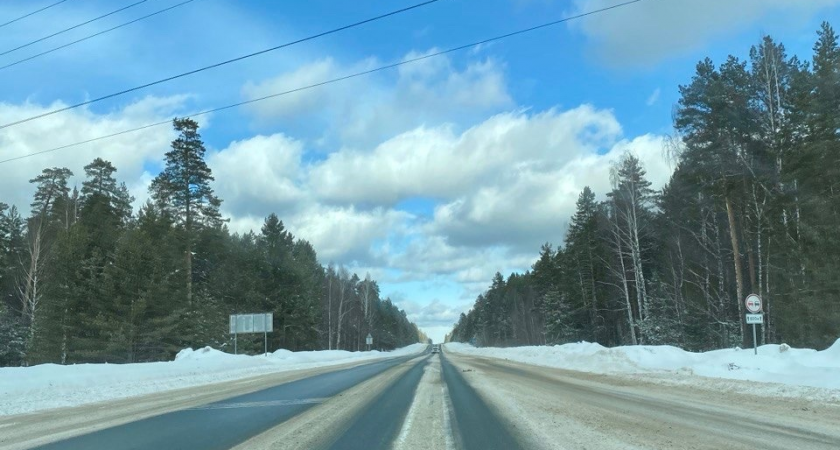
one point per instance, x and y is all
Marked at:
(774, 364)
(47, 386)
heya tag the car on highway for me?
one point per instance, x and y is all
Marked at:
(435, 349)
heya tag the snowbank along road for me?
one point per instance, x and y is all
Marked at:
(432, 401)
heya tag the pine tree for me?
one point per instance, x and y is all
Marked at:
(582, 252)
(183, 191)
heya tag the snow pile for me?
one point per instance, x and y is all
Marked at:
(773, 364)
(46, 386)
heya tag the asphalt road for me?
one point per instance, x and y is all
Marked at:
(474, 425)
(458, 402)
(224, 424)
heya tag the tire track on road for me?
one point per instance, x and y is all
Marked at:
(478, 427)
(378, 426)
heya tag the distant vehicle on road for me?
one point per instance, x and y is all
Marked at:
(436, 349)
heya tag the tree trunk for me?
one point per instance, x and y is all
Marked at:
(623, 275)
(736, 259)
(592, 279)
(638, 269)
(341, 292)
(30, 297)
(188, 222)
(329, 310)
(189, 273)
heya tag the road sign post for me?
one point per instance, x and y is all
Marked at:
(754, 316)
(369, 341)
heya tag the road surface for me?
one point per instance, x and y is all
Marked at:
(433, 401)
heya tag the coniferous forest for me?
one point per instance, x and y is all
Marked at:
(753, 206)
(85, 278)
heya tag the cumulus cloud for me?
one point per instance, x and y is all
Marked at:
(361, 112)
(345, 234)
(644, 33)
(502, 188)
(439, 163)
(296, 103)
(529, 206)
(259, 174)
(130, 153)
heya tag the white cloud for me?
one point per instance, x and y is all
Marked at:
(438, 163)
(259, 174)
(361, 112)
(528, 206)
(129, 153)
(503, 187)
(297, 103)
(646, 32)
(346, 234)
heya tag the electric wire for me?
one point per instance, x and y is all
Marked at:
(72, 28)
(32, 13)
(160, 11)
(213, 66)
(331, 81)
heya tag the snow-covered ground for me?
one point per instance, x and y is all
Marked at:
(796, 369)
(46, 386)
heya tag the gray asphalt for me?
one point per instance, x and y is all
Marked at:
(225, 424)
(222, 425)
(377, 427)
(476, 426)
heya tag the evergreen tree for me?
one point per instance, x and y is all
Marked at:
(583, 253)
(183, 191)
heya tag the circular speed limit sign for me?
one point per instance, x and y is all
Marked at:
(753, 303)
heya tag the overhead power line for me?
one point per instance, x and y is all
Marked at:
(96, 34)
(334, 80)
(32, 13)
(72, 28)
(223, 63)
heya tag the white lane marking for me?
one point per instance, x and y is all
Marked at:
(296, 401)
(447, 423)
(409, 418)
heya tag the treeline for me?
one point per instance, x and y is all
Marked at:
(752, 207)
(84, 279)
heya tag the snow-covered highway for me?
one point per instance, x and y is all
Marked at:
(456, 400)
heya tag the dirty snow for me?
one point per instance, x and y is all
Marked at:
(47, 386)
(774, 363)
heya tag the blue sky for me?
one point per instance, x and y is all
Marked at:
(432, 176)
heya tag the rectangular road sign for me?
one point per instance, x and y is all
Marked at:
(755, 319)
(251, 323)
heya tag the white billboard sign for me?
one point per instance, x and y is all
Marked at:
(251, 323)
